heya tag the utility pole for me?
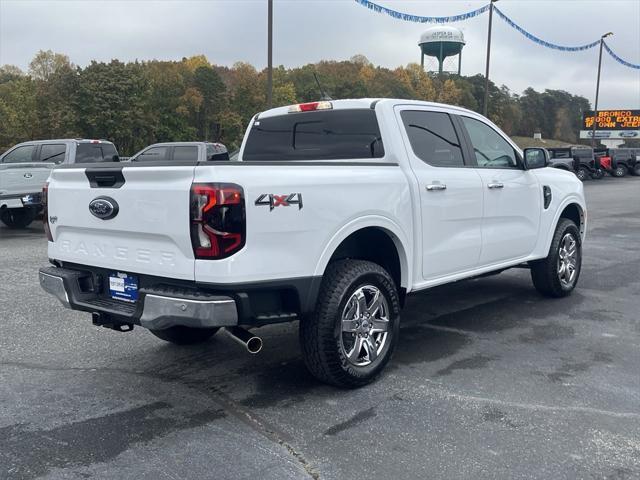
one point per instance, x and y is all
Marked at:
(269, 53)
(595, 107)
(486, 75)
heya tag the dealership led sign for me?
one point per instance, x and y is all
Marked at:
(612, 124)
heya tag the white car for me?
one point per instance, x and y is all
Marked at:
(25, 168)
(334, 213)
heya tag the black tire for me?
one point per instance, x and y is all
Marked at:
(582, 174)
(180, 335)
(18, 217)
(620, 171)
(636, 170)
(322, 339)
(546, 274)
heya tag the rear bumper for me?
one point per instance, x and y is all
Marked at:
(21, 200)
(155, 309)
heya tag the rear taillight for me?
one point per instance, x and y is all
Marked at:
(217, 219)
(45, 211)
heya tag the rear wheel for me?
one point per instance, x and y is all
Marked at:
(352, 334)
(620, 171)
(180, 335)
(18, 217)
(636, 169)
(557, 275)
(582, 174)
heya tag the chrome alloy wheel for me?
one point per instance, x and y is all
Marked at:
(567, 260)
(365, 325)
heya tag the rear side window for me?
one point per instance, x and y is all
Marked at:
(22, 154)
(184, 153)
(53, 153)
(433, 138)
(317, 135)
(154, 154)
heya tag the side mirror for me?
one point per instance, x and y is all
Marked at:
(535, 158)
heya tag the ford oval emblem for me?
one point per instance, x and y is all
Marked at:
(103, 207)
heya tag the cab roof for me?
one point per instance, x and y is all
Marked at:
(370, 103)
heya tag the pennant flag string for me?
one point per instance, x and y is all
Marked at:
(618, 59)
(419, 19)
(474, 13)
(539, 41)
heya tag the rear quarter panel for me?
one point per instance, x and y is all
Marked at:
(287, 241)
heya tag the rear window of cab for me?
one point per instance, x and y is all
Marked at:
(316, 135)
(96, 152)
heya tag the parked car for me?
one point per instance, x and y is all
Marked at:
(181, 152)
(25, 167)
(334, 212)
(624, 160)
(560, 159)
(604, 159)
(585, 164)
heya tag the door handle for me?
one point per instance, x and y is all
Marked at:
(436, 186)
(496, 185)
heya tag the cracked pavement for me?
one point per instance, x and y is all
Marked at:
(490, 380)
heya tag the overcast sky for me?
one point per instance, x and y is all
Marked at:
(307, 31)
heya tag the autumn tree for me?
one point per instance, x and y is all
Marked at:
(112, 102)
(138, 103)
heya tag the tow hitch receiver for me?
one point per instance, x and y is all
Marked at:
(103, 320)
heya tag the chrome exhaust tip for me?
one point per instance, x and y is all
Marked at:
(251, 342)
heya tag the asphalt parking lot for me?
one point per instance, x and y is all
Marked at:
(490, 380)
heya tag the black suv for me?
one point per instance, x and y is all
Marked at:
(624, 160)
(585, 164)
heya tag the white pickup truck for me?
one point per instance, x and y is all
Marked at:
(334, 212)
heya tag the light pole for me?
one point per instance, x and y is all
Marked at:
(486, 75)
(595, 107)
(269, 53)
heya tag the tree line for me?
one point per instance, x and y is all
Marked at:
(137, 103)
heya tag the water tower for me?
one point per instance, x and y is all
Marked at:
(441, 42)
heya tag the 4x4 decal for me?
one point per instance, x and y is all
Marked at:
(274, 201)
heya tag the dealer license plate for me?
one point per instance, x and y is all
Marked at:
(123, 286)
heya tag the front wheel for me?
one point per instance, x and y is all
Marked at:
(620, 171)
(352, 334)
(180, 335)
(582, 174)
(557, 275)
(18, 217)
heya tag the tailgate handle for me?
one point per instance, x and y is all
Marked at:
(105, 178)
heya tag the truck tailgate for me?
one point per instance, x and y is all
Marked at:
(150, 232)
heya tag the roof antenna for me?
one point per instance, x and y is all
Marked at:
(323, 95)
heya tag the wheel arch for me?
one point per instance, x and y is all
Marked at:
(574, 211)
(376, 239)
